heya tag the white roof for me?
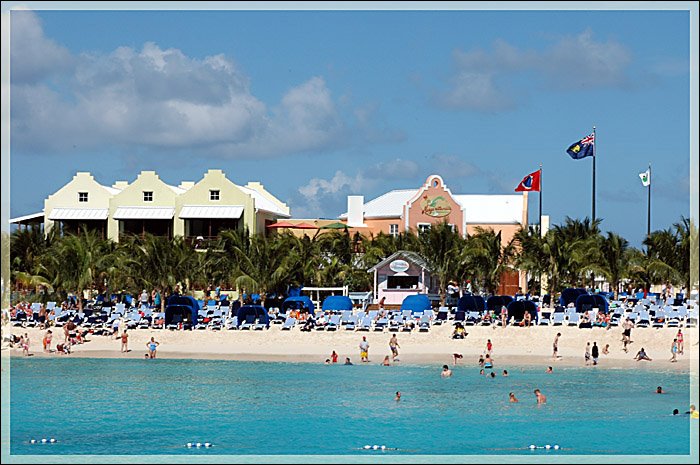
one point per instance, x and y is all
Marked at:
(488, 209)
(491, 209)
(389, 205)
(33, 216)
(144, 213)
(263, 203)
(211, 211)
(65, 213)
(177, 190)
(111, 190)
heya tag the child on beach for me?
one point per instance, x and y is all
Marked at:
(679, 337)
(25, 344)
(47, 341)
(555, 347)
(125, 342)
(587, 355)
(674, 350)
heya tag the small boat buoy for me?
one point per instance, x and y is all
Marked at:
(547, 446)
(383, 447)
(32, 441)
(189, 444)
(52, 440)
(556, 446)
(375, 447)
(207, 444)
(368, 447)
(533, 447)
(199, 444)
(43, 441)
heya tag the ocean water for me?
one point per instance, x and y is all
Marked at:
(114, 407)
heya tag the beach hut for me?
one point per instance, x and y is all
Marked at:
(418, 303)
(569, 295)
(517, 309)
(586, 302)
(335, 303)
(495, 302)
(181, 309)
(300, 303)
(471, 303)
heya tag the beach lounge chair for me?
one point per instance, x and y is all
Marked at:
(461, 316)
(643, 320)
(424, 324)
(395, 323)
(574, 319)
(544, 319)
(351, 324)
(232, 323)
(289, 323)
(691, 321)
(380, 324)
(248, 323)
(345, 317)
(333, 323)
(365, 324)
(259, 325)
(441, 316)
(557, 319)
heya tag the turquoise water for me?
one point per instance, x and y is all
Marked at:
(106, 406)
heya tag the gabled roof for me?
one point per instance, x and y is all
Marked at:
(479, 209)
(389, 205)
(412, 257)
(263, 203)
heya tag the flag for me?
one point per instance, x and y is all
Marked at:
(645, 177)
(531, 182)
(582, 148)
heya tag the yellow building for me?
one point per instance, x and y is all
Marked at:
(149, 205)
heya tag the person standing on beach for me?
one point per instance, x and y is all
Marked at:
(125, 342)
(489, 346)
(594, 353)
(47, 341)
(627, 334)
(334, 357)
(504, 316)
(679, 337)
(555, 347)
(364, 349)
(394, 346)
(152, 345)
(674, 350)
(25, 344)
(587, 355)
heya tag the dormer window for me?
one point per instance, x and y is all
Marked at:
(214, 194)
(148, 196)
(82, 196)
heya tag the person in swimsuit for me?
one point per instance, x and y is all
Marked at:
(152, 345)
(674, 350)
(47, 341)
(488, 362)
(398, 396)
(627, 334)
(125, 342)
(512, 398)
(549, 370)
(587, 355)
(456, 357)
(641, 355)
(386, 361)
(25, 344)
(394, 346)
(555, 346)
(334, 357)
(446, 372)
(541, 398)
(679, 338)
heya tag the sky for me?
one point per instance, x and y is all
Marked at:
(319, 105)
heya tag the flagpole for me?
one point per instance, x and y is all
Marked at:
(649, 203)
(595, 142)
(540, 219)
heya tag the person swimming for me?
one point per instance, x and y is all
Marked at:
(446, 372)
(488, 361)
(398, 396)
(512, 398)
(659, 390)
(541, 398)
(549, 370)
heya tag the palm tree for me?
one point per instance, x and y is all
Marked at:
(263, 264)
(615, 259)
(487, 257)
(77, 260)
(530, 255)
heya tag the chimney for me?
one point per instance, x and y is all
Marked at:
(356, 204)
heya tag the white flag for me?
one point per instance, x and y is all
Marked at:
(645, 177)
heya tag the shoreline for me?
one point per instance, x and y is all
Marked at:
(512, 347)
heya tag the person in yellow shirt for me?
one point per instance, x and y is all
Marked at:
(693, 413)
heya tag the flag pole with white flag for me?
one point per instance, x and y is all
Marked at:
(646, 182)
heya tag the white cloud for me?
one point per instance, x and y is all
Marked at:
(32, 55)
(485, 81)
(162, 98)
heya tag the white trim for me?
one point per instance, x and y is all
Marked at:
(32, 216)
(192, 212)
(144, 213)
(70, 213)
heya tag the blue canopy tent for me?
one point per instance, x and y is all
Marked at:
(336, 303)
(495, 302)
(301, 303)
(587, 302)
(250, 313)
(471, 303)
(569, 295)
(418, 303)
(181, 309)
(517, 309)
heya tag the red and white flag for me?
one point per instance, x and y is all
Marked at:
(531, 182)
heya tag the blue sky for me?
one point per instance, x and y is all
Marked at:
(318, 105)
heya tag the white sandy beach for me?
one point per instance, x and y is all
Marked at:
(511, 346)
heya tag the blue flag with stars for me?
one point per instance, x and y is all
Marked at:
(582, 148)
